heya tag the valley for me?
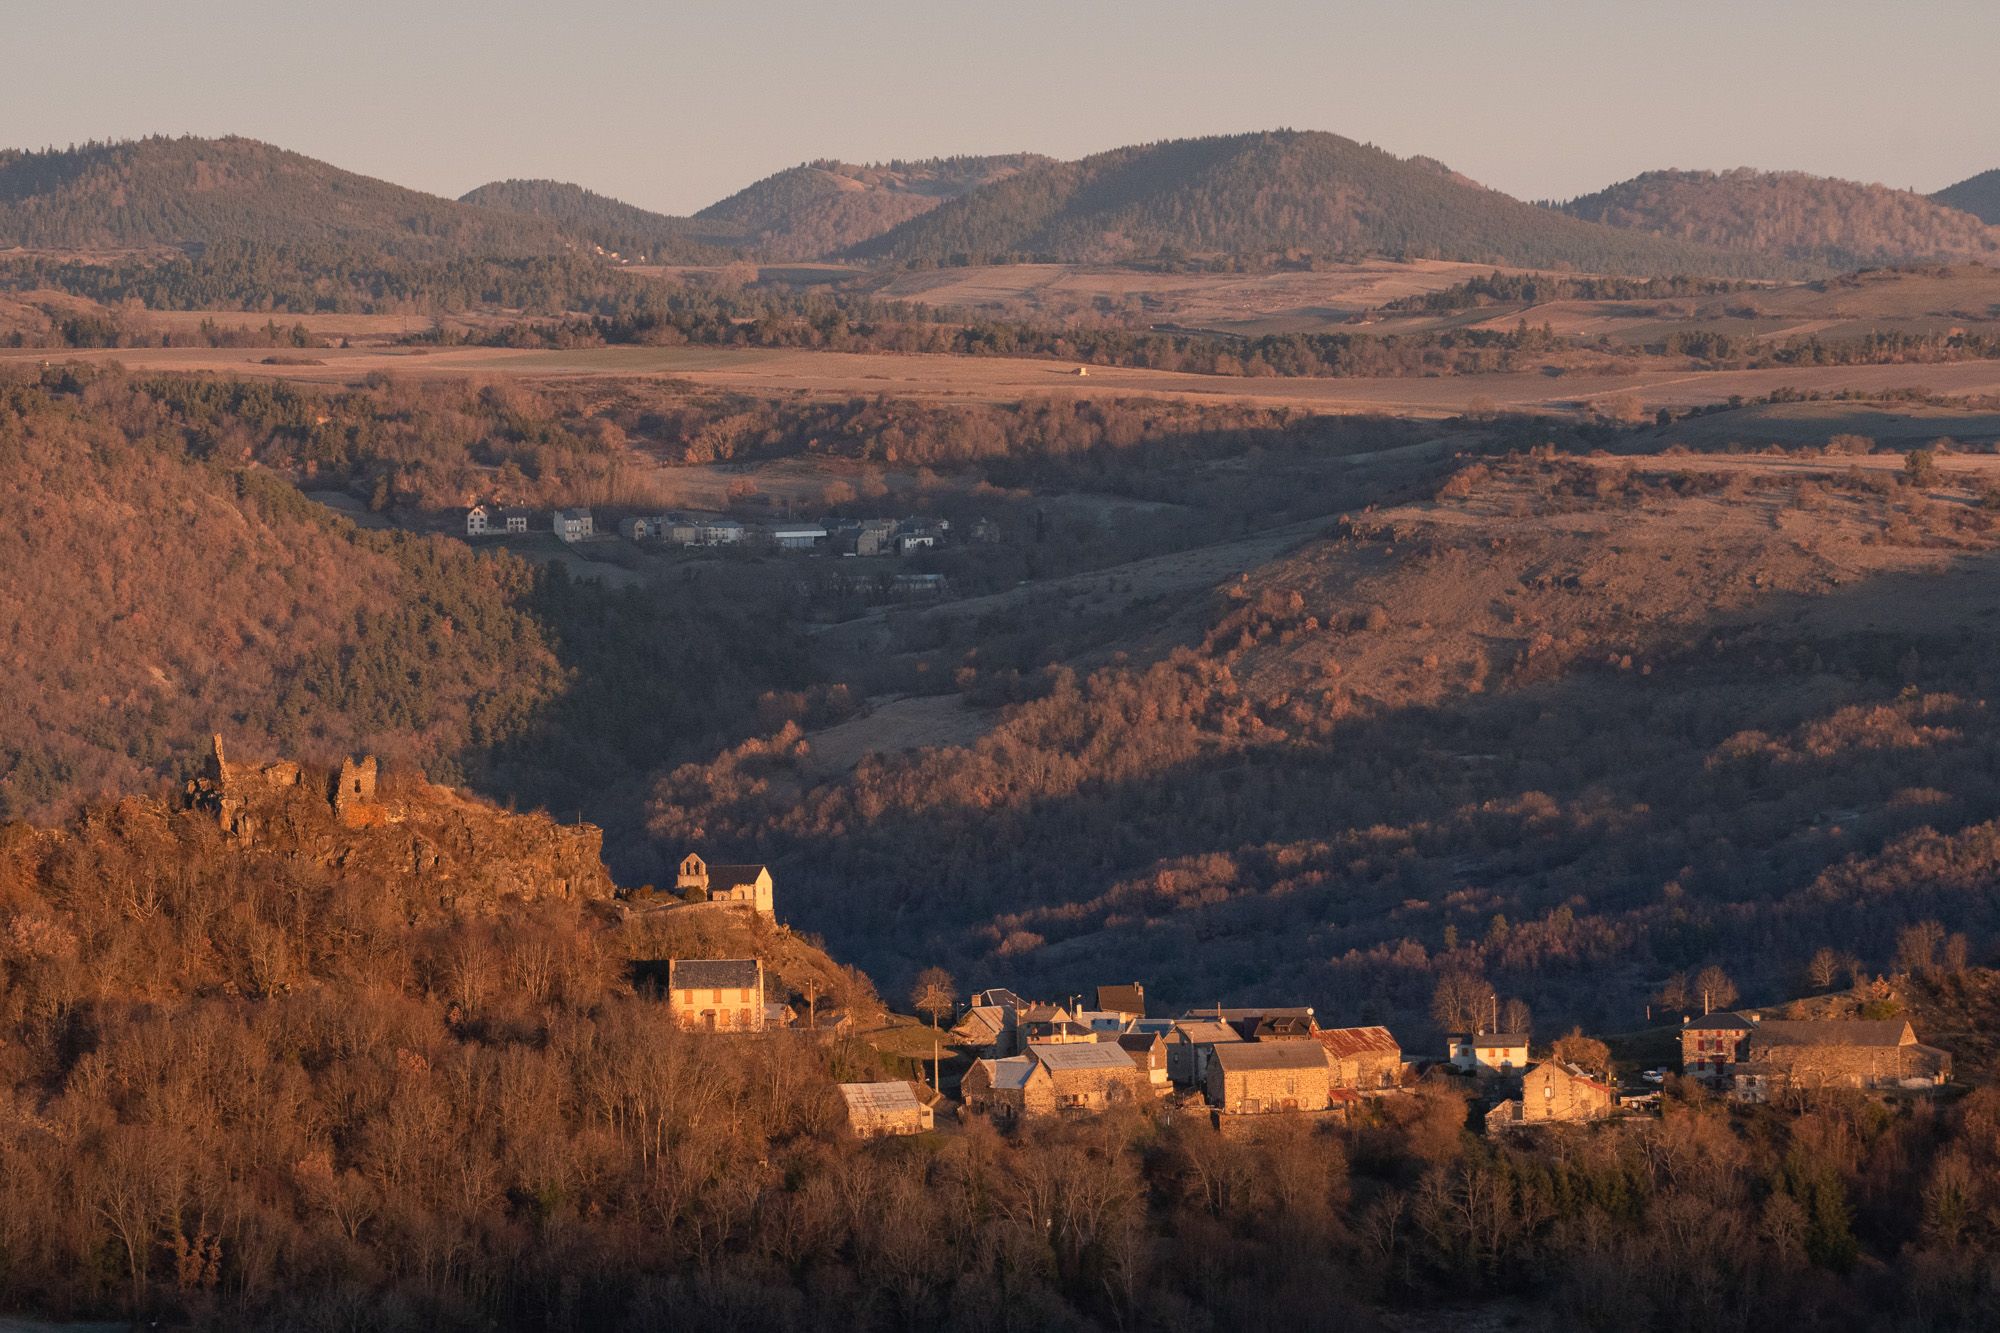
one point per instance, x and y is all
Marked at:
(1015, 729)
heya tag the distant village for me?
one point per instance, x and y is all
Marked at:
(857, 538)
(830, 536)
(1032, 1060)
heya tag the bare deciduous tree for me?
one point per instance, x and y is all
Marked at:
(1714, 988)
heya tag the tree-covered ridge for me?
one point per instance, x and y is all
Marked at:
(630, 231)
(1978, 195)
(190, 191)
(164, 580)
(818, 208)
(1810, 219)
(1266, 192)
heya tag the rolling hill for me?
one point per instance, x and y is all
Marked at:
(1978, 195)
(189, 191)
(1266, 192)
(1809, 219)
(624, 229)
(818, 208)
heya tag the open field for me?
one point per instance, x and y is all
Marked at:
(1006, 379)
(1252, 303)
(1917, 302)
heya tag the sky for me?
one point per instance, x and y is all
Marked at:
(673, 105)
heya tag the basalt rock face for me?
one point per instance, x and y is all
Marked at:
(431, 848)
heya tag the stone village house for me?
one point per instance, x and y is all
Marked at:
(1082, 1076)
(1553, 1092)
(1192, 1045)
(1761, 1057)
(717, 994)
(1291, 1074)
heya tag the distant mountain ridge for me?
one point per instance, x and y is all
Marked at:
(189, 191)
(818, 208)
(1267, 192)
(1808, 219)
(625, 229)
(1978, 195)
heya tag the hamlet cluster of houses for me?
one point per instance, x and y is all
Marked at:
(1038, 1059)
(833, 536)
(1043, 1059)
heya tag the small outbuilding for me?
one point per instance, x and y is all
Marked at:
(879, 1110)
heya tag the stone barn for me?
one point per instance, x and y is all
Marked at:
(1091, 1076)
(1261, 1076)
(1362, 1058)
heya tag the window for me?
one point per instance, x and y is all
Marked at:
(1548, 1090)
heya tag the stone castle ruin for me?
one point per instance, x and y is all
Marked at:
(236, 793)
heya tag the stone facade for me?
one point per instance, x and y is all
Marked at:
(1760, 1057)
(1091, 1076)
(1190, 1047)
(1712, 1043)
(1264, 1076)
(1008, 1089)
(1550, 1091)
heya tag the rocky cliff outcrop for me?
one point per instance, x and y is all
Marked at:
(432, 847)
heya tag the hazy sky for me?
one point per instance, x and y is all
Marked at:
(673, 106)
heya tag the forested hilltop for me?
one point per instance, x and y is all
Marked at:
(164, 579)
(820, 208)
(1978, 195)
(631, 232)
(187, 191)
(1809, 219)
(276, 1076)
(1273, 192)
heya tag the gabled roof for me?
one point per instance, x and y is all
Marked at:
(1203, 1032)
(1345, 1043)
(1488, 1041)
(1834, 1032)
(1009, 1073)
(1081, 1055)
(1127, 999)
(713, 973)
(985, 1018)
(1275, 1027)
(893, 1098)
(1719, 1022)
(734, 877)
(997, 996)
(1570, 1072)
(1301, 1053)
(1045, 1013)
(1140, 1042)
